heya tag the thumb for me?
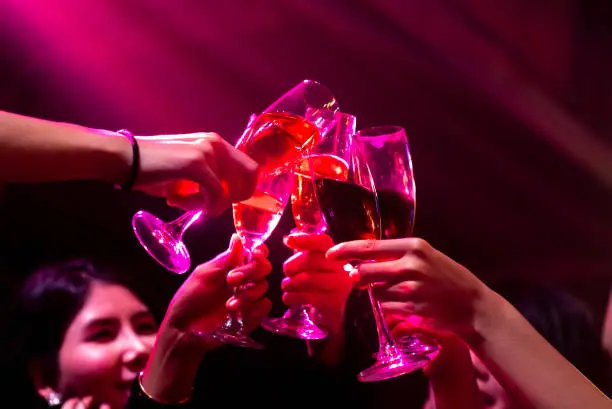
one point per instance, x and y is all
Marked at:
(235, 252)
(232, 257)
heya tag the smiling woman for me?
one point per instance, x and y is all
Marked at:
(83, 333)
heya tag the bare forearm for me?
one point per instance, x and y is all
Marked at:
(452, 379)
(172, 366)
(527, 365)
(35, 150)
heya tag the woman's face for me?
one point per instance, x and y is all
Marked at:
(106, 346)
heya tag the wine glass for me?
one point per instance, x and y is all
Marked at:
(349, 205)
(297, 322)
(276, 139)
(255, 219)
(386, 150)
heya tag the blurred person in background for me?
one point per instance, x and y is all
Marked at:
(83, 332)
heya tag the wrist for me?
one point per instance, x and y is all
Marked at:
(173, 365)
(490, 310)
(116, 151)
(453, 358)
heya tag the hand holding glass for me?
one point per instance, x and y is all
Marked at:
(276, 139)
(255, 219)
(297, 322)
(386, 150)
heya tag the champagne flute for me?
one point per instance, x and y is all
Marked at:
(276, 139)
(297, 322)
(387, 152)
(255, 219)
(350, 209)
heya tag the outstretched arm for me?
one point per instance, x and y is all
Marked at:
(525, 363)
(36, 150)
(420, 280)
(196, 311)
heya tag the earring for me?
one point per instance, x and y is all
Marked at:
(54, 399)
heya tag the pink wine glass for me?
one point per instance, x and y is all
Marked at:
(276, 139)
(297, 321)
(386, 150)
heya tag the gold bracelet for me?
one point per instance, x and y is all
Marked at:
(148, 395)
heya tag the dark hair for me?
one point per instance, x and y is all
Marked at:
(47, 304)
(566, 322)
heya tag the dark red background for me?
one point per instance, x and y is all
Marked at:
(506, 104)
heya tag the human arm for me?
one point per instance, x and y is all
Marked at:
(528, 367)
(197, 309)
(451, 374)
(313, 280)
(420, 280)
(37, 150)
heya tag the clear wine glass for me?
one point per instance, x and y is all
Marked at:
(276, 139)
(350, 209)
(297, 322)
(386, 150)
(255, 219)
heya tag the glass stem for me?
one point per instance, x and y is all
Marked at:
(300, 313)
(178, 227)
(385, 340)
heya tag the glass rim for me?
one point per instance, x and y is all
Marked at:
(380, 130)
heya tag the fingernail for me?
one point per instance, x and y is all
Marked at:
(287, 240)
(258, 253)
(286, 281)
(232, 303)
(291, 238)
(261, 252)
(235, 276)
(354, 275)
(85, 402)
(234, 240)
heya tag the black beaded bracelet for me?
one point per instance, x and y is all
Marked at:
(129, 184)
